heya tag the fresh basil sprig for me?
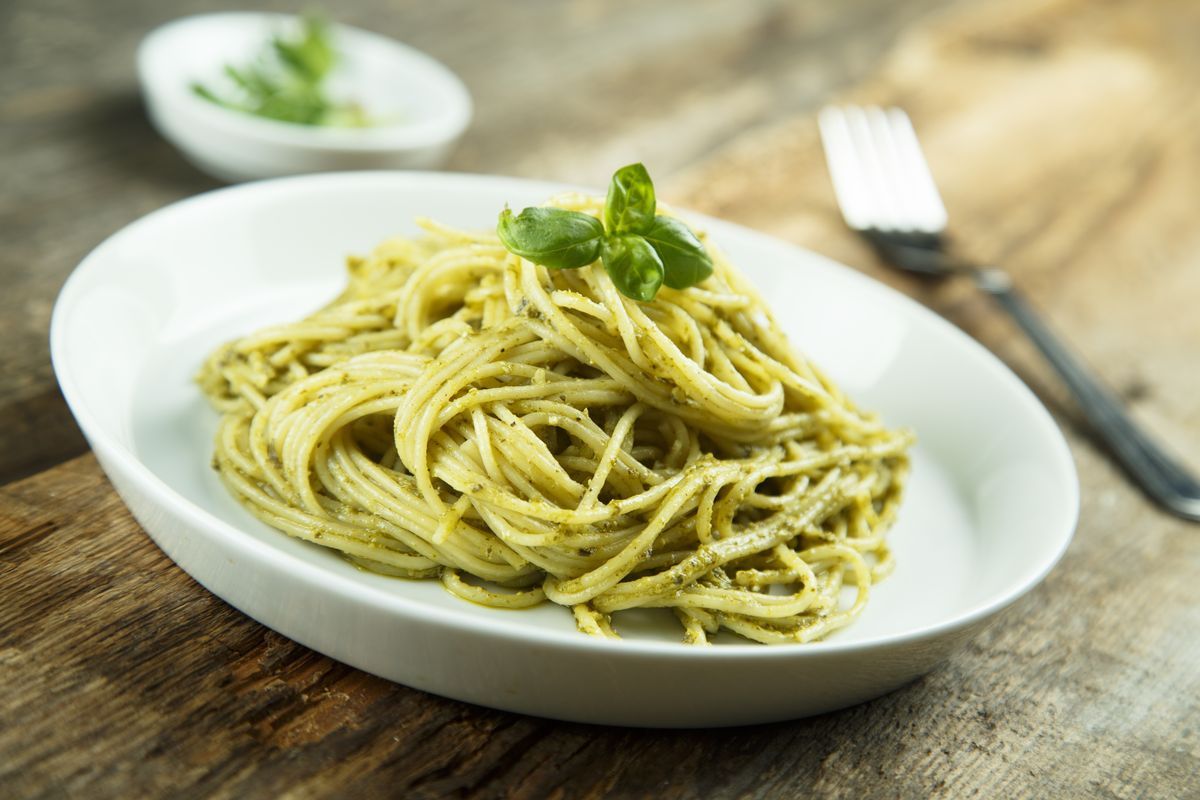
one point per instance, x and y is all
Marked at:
(640, 251)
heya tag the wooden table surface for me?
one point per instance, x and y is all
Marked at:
(1066, 137)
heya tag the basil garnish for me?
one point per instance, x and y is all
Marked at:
(640, 251)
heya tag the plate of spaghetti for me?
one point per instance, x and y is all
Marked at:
(601, 460)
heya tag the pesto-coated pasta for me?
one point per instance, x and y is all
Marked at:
(525, 434)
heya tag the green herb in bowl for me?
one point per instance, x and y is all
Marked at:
(286, 81)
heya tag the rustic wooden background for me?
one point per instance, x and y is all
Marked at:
(1066, 137)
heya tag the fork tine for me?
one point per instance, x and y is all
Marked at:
(881, 197)
(929, 213)
(880, 176)
(890, 165)
(845, 169)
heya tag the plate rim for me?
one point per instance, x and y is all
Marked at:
(106, 443)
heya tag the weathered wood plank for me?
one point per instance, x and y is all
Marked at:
(39, 430)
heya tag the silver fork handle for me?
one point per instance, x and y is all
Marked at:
(1159, 475)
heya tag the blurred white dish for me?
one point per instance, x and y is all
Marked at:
(990, 508)
(421, 107)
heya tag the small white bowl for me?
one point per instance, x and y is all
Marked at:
(422, 107)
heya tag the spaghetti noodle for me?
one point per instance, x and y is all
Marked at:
(528, 435)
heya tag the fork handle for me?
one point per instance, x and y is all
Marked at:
(1159, 475)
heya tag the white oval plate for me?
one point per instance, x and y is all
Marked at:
(991, 505)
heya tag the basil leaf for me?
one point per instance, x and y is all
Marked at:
(630, 204)
(633, 265)
(553, 237)
(685, 261)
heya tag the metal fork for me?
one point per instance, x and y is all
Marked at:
(887, 194)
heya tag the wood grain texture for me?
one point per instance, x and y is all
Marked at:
(1063, 134)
